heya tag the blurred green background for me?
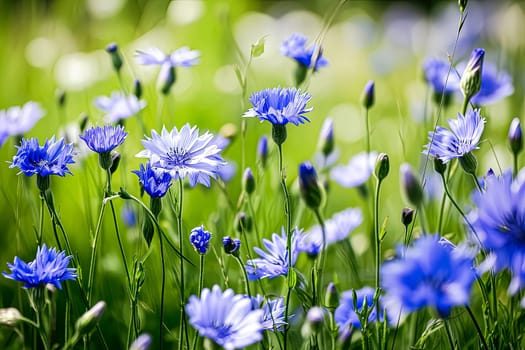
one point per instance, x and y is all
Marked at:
(50, 47)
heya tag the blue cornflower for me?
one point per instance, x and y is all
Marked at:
(119, 106)
(231, 245)
(104, 139)
(436, 71)
(18, 120)
(279, 106)
(295, 47)
(155, 181)
(273, 317)
(337, 228)
(49, 266)
(431, 273)
(499, 223)
(184, 153)
(200, 239)
(50, 159)
(226, 318)
(345, 315)
(357, 171)
(183, 57)
(274, 262)
(462, 138)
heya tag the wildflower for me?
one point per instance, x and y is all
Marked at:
(262, 150)
(295, 47)
(470, 82)
(442, 79)
(142, 342)
(314, 321)
(184, 153)
(279, 106)
(248, 181)
(326, 138)
(499, 224)
(119, 106)
(347, 316)
(382, 167)
(368, 95)
(311, 190)
(430, 274)
(515, 136)
(231, 245)
(273, 263)
(18, 120)
(410, 185)
(155, 181)
(337, 228)
(273, 316)
(495, 85)
(200, 239)
(50, 159)
(10, 317)
(104, 139)
(49, 266)
(356, 172)
(116, 60)
(226, 318)
(87, 322)
(462, 138)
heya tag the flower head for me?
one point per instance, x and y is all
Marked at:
(200, 239)
(226, 318)
(337, 228)
(184, 153)
(274, 262)
(462, 138)
(279, 106)
(49, 266)
(273, 316)
(346, 315)
(431, 273)
(356, 172)
(119, 106)
(18, 120)
(295, 47)
(155, 181)
(103, 139)
(436, 72)
(183, 57)
(50, 159)
(499, 223)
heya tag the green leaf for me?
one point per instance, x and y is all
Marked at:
(258, 47)
(382, 233)
(292, 278)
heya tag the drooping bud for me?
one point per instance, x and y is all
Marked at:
(311, 190)
(313, 323)
(243, 222)
(326, 138)
(262, 151)
(471, 79)
(88, 321)
(368, 95)
(116, 60)
(248, 181)
(231, 245)
(200, 239)
(410, 185)
(331, 299)
(515, 136)
(382, 166)
(9, 317)
(142, 342)
(407, 215)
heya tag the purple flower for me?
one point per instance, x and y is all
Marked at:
(273, 263)
(104, 139)
(184, 153)
(295, 47)
(119, 106)
(226, 318)
(155, 181)
(49, 266)
(356, 172)
(462, 138)
(431, 273)
(279, 106)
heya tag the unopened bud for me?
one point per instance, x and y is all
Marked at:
(61, 98)
(115, 161)
(311, 190)
(88, 321)
(382, 166)
(137, 88)
(231, 245)
(262, 150)
(410, 185)
(326, 139)
(143, 342)
(243, 222)
(439, 166)
(462, 5)
(314, 322)
(166, 78)
(248, 181)
(515, 136)
(407, 215)
(368, 95)
(9, 317)
(83, 122)
(471, 79)
(116, 60)
(331, 299)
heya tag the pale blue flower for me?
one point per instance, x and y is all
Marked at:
(295, 47)
(119, 106)
(357, 171)
(183, 57)
(103, 139)
(436, 73)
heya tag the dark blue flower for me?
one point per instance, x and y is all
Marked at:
(49, 266)
(184, 153)
(273, 263)
(155, 181)
(436, 73)
(309, 187)
(103, 139)
(295, 47)
(226, 318)
(462, 138)
(431, 273)
(499, 223)
(50, 159)
(345, 315)
(280, 106)
(200, 239)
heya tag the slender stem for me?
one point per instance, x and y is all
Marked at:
(441, 212)
(94, 252)
(322, 255)
(201, 285)
(475, 179)
(182, 310)
(163, 285)
(367, 135)
(465, 106)
(41, 224)
(449, 335)
(246, 281)
(515, 164)
(377, 252)
(478, 329)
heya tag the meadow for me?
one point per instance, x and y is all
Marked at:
(262, 175)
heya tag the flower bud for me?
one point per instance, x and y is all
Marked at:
(9, 317)
(137, 88)
(382, 166)
(248, 181)
(311, 190)
(112, 49)
(243, 222)
(439, 166)
(331, 299)
(88, 321)
(61, 98)
(515, 136)
(279, 133)
(462, 5)
(471, 79)
(262, 151)
(407, 215)
(83, 122)
(410, 185)
(143, 342)
(368, 95)
(115, 161)
(231, 245)
(326, 139)
(200, 239)
(469, 163)
(314, 322)
(166, 78)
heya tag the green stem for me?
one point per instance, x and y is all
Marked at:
(322, 255)
(377, 253)
(515, 165)
(92, 263)
(465, 106)
(41, 223)
(478, 328)
(246, 281)
(449, 334)
(182, 310)
(163, 285)
(201, 285)
(441, 213)
(367, 135)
